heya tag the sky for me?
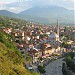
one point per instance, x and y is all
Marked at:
(21, 5)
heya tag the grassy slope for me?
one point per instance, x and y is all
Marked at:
(11, 62)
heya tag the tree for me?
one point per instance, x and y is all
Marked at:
(64, 44)
(41, 69)
(28, 58)
(70, 62)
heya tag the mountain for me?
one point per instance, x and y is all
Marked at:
(51, 14)
(10, 14)
(7, 13)
(45, 15)
(24, 17)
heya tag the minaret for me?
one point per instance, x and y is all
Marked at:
(57, 28)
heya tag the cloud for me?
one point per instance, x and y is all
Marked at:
(3, 3)
(69, 0)
(41, 2)
(20, 5)
(14, 9)
(7, 1)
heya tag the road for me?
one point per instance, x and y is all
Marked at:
(54, 68)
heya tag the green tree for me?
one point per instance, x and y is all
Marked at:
(41, 69)
(28, 58)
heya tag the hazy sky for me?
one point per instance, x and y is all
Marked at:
(20, 5)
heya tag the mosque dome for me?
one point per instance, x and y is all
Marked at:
(53, 35)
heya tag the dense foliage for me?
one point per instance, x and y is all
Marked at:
(69, 65)
(69, 61)
(41, 69)
(9, 22)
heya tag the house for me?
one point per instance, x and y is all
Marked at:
(48, 50)
(7, 30)
(35, 54)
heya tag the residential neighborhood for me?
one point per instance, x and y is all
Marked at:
(37, 37)
(42, 43)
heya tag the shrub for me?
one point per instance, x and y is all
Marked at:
(41, 69)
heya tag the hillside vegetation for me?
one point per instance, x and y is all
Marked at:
(11, 60)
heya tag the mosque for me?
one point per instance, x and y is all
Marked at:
(53, 38)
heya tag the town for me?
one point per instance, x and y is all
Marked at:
(39, 44)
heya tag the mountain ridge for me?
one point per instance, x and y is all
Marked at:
(46, 15)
